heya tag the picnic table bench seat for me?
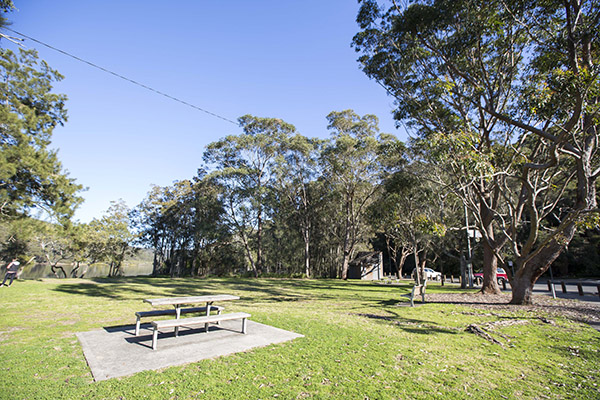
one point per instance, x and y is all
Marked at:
(205, 320)
(154, 313)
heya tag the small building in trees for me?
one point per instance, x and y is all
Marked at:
(366, 266)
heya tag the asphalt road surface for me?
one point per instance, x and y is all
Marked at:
(589, 286)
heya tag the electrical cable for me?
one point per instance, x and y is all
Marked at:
(121, 76)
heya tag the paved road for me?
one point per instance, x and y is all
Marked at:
(589, 286)
(590, 289)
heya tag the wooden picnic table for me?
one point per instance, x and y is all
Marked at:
(178, 302)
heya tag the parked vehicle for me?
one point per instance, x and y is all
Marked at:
(429, 274)
(501, 277)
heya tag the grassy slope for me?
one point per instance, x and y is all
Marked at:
(358, 344)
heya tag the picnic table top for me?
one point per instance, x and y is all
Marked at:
(190, 299)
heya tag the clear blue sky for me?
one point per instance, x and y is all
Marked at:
(285, 59)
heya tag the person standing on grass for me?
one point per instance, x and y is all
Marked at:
(11, 271)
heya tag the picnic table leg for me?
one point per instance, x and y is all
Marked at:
(207, 314)
(137, 325)
(154, 338)
(177, 315)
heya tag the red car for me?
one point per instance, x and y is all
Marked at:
(501, 276)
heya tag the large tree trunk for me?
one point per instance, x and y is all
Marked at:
(490, 261)
(490, 265)
(522, 286)
(56, 268)
(345, 264)
(403, 256)
(526, 275)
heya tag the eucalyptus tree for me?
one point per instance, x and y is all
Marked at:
(179, 217)
(354, 163)
(295, 172)
(79, 234)
(181, 223)
(211, 240)
(31, 176)
(148, 220)
(243, 164)
(165, 221)
(111, 238)
(327, 231)
(410, 212)
(505, 94)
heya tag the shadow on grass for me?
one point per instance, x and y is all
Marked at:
(411, 325)
(268, 290)
(250, 289)
(127, 289)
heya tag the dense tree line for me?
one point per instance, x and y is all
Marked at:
(271, 200)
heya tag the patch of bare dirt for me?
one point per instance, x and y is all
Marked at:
(574, 310)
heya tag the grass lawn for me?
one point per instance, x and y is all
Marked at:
(358, 344)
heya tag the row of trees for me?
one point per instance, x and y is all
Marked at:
(69, 249)
(274, 200)
(270, 200)
(503, 98)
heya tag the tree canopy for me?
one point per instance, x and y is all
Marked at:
(31, 176)
(504, 94)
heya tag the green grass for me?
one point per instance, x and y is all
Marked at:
(358, 344)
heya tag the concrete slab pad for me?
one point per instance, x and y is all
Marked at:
(116, 351)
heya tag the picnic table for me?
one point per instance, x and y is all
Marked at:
(179, 302)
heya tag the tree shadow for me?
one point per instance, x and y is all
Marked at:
(249, 289)
(263, 290)
(129, 289)
(411, 325)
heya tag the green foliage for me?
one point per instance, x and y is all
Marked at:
(183, 225)
(109, 238)
(277, 198)
(354, 164)
(31, 175)
(503, 96)
(244, 165)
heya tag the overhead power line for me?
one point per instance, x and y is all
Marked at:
(122, 77)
